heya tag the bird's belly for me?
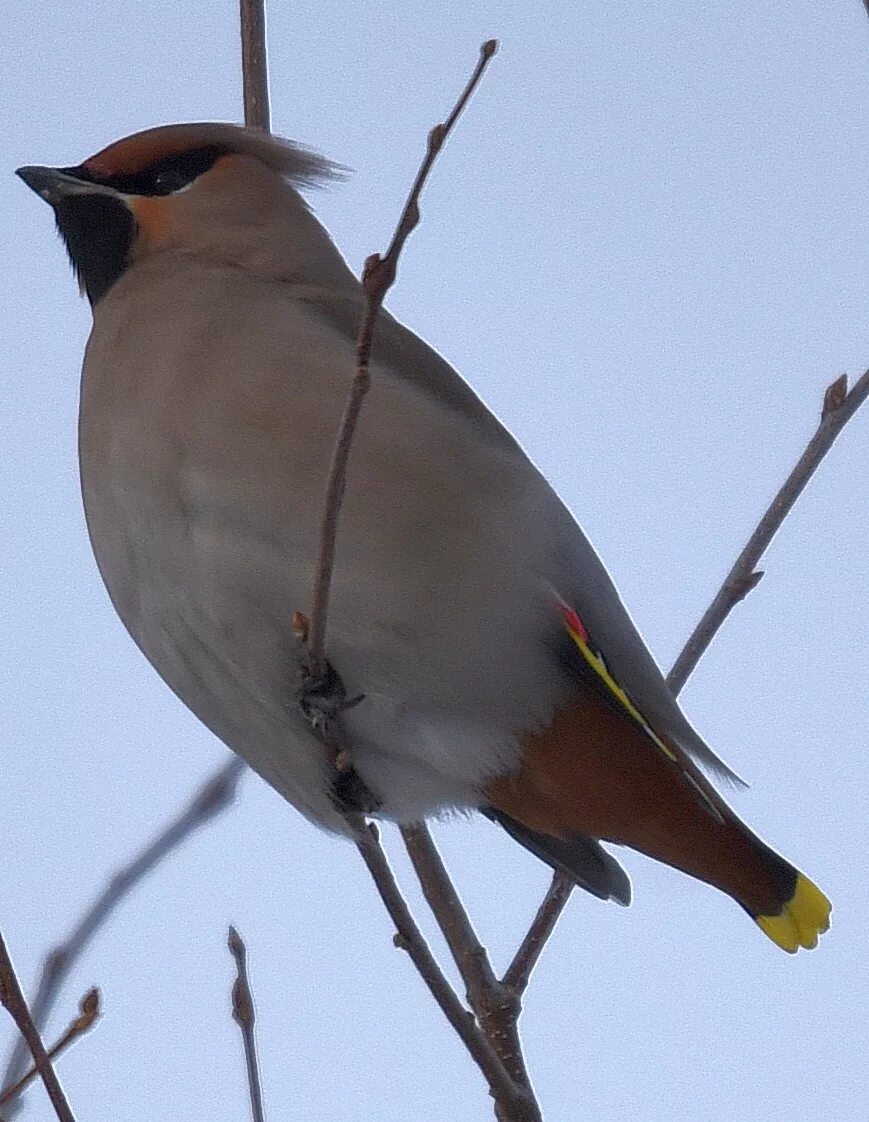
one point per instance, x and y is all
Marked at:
(208, 593)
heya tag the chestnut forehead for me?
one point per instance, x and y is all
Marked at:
(135, 154)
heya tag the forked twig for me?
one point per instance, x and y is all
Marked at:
(12, 999)
(495, 1005)
(516, 1104)
(88, 1012)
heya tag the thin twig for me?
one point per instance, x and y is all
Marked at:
(13, 1000)
(518, 973)
(244, 1015)
(495, 1005)
(257, 113)
(839, 407)
(214, 796)
(88, 1012)
(440, 893)
(254, 65)
(517, 1105)
(496, 1050)
(378, 275)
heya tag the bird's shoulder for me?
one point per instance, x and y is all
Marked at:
(402, 354)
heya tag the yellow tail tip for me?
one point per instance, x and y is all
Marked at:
(802, 919)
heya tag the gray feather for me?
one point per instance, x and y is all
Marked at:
(579, 857)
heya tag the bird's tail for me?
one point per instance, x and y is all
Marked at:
(800, 911)
(594, 777)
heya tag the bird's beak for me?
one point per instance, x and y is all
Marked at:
(55, 185)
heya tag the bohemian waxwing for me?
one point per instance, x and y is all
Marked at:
(499, 668)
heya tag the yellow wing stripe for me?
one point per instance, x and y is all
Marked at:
(579, 634)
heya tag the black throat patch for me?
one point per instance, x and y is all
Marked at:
(99, 232)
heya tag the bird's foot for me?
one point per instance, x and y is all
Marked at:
(322, 697)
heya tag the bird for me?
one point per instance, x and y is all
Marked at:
(494, 666)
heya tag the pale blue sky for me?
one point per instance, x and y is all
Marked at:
(646, 248)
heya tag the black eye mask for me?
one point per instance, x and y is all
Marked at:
(161, 178)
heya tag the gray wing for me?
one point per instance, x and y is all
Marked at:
(410, 357)
(585, 585)
(577, 573)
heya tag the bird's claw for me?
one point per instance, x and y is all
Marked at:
(322, 697)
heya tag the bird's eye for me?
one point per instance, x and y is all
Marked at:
(172, 173)
(168, 180)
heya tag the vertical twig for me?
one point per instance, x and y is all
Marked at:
(13, 999)
(257, 114)
(254, 65)
(244, 1015)
(378, 276)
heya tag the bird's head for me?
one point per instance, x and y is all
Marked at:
(218, 191)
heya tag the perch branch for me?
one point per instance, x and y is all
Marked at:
(244, 1015)
(378, 275)
(515, 1103)
(496, 1050)
(13, 999)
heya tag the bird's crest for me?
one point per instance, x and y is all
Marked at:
(125, 161)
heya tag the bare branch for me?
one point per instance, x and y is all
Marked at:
(440, 893)
(839, 407)
(497, 1050)
(244, 1015)
(410, 216)
(377, 278)
(88, 1012)
(13, 999)
(515, 1104)
(213, 797)
(254, 65)
(495, 1006)
(519, 971)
